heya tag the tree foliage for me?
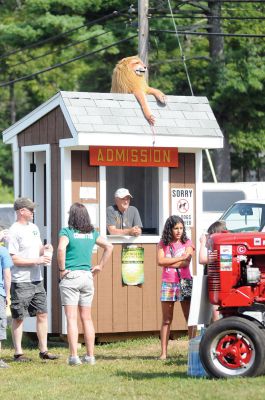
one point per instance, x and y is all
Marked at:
(38, 34)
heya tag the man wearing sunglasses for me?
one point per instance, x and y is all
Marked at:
(28, 296)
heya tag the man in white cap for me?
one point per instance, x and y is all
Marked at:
(28, 296)
(123, 219)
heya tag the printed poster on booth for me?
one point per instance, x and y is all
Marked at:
(182, 205)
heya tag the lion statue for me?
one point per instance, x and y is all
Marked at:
(129, 77)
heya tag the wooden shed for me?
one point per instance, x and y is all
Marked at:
(82, 147)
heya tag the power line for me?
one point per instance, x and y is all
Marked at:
(180, 48)
(243, 35)
(32, 45)
(208, 17)
(56, 50)
(27, 77)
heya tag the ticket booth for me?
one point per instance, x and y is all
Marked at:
(82, 147)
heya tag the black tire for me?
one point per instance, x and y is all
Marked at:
(233, 347)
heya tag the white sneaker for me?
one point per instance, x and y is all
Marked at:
(3, 364)
(72, 360)
(88, 360)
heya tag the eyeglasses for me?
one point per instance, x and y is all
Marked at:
(28, 209)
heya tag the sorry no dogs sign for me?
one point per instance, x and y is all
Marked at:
(182, 204)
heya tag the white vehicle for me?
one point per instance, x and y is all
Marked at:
(218, 197)
(245, 216)
(7, 215)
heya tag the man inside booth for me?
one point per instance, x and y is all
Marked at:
(123, 219)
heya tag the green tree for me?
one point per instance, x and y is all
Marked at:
(229, 70)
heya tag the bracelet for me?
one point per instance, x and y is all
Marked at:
(61, 270)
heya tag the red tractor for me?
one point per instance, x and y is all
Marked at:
(235, 344)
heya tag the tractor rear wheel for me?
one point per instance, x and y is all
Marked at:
(232, 347)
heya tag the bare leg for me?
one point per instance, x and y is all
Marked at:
(215, 313)
(17, 331)
(167, 316)
(72, 329)
(89, 331)
(42, 330)
(185, 305)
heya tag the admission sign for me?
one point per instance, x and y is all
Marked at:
(133, 156)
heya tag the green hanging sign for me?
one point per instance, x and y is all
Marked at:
(132, 265)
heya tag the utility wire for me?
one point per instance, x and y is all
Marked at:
(56, 50)
(32, 45)
(27, 77)
(243, 35)
(180, 48)
(208, 17)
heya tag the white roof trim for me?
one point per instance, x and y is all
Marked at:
(85, 139)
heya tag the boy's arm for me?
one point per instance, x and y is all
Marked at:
(7, 283)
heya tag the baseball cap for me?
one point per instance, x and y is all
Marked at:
(121, 193)
(23, 202)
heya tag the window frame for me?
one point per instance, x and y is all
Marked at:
(163, 208)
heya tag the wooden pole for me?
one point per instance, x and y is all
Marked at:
(143, 31)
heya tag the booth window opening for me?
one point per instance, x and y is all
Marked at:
(143, 184)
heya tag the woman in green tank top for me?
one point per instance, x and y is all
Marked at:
(74, 255)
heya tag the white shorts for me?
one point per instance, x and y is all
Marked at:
(77, 288)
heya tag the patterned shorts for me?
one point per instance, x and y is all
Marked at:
(170, 292)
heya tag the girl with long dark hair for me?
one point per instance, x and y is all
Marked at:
(74, 256)
(174, 254)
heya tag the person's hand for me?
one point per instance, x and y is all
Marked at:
(45, 259)
(4, 234)
(186, 257)
(48, 247)
(63, 273)
(203, 239)
(96, 269)
(135, 231)
(8, 302)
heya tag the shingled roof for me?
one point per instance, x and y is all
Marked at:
(100, 118)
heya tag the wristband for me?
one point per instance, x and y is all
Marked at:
(61, 270)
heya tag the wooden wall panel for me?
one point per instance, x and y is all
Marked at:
(135, 308)
(120, 294)
(44, 130)
(76, 174)
(158, 302)
(51, 118)
(49, 129)
(35, 136)
(105, 298)
(150, 306)
(95, 260)
(59, 126)
(89, 176)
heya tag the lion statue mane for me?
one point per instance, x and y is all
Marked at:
(129, 77)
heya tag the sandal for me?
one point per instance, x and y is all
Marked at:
(48, 356)
(21, 358)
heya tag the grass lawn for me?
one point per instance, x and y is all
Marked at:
(124, 370)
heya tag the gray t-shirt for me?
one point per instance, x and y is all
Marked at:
(128, 219)
(25, 242)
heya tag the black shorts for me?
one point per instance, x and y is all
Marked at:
(27, 299)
